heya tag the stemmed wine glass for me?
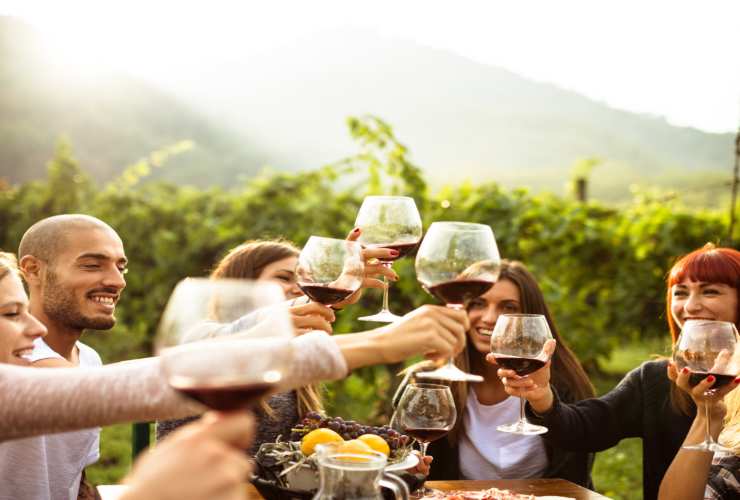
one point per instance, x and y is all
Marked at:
(708, 348)
(391, 222)
(330, 270)
(523, 343)
(457, 262)
(426, 412)
(223, 313)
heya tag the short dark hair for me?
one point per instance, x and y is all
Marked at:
(46, 237)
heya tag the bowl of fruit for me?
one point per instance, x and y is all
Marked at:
(289, 469)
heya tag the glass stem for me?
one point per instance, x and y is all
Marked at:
(385, 289)
(709, 440)
(451, 361)
(423, 445)
(522, 418)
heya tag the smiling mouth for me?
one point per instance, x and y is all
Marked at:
(24, 353)
(105, 300)
(484, 331)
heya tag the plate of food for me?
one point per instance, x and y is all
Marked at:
(289, 469)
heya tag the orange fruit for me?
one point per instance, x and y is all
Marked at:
(376, 442)
(316, 437)
(354, 447)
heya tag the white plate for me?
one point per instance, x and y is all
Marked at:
(410, 461)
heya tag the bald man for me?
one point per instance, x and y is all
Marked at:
(74, 266)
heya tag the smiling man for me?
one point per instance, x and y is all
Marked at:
(74, 266)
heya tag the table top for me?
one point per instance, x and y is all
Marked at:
(539, 487)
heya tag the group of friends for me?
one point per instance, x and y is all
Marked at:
(55, 391)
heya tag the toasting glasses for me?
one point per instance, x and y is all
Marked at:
(708, 348)
(457, 262)
(330, 270)
(523, 343)
(391, 222)
(224, 315)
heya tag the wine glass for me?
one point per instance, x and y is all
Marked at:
(225, 314)
(708, 348)
(523, 343)
(457, 262)
(330, 270)
(391, 222)
(426, 412)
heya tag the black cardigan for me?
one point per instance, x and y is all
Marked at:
(573, 466)
(640, 406)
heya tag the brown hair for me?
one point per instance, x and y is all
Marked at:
(709, 264)
(248, 260)
(567, 371)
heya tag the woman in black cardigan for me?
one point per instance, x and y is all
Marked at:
(474, 449)
(646, 403)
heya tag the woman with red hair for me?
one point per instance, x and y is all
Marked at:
(651, 401)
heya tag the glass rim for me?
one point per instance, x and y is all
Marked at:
(524, 315)
(701, 321)
(469, 226)
(387, 197)
(329, 238)
(427, 385)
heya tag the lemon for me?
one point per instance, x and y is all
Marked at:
(376, 442)
(354, 447)
(316, 437)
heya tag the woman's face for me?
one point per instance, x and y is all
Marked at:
(502, 298)
(18, 328)
(700, 300)
(282, 272)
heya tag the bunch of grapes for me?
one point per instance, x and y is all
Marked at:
(348, 429)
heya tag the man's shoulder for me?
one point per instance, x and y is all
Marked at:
(89, 357)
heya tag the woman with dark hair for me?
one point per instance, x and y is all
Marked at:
(649, 402)
(276, 261)
(474, 449)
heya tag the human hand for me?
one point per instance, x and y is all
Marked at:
(312, 316)
(204, 459)
(704, 399)
(437, 332)
(373, 269)
(535, 387)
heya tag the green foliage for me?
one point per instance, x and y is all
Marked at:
(602, 269)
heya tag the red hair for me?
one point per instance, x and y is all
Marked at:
(708, 264)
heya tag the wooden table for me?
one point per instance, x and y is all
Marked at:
(540, 487)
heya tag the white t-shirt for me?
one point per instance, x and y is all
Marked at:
(486, 453)
(49, 467)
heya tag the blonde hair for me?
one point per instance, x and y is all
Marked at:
(730, 435)
(8, 264)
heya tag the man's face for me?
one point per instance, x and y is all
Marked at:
(84, 282)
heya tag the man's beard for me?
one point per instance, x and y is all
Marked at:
(60, 305)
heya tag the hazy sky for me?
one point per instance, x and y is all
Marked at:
(678, 59)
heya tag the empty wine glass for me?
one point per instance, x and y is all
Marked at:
(457, 262)
(523, 343)
(224, 314)
(391, 222)
(708, 348)
(330, 270)
(426, 412)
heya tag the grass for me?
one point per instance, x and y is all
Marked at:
(617, 472)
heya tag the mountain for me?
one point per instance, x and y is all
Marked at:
(110, 119)
(460, 119)
(287, 107)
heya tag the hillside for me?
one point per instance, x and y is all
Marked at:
(111, 120)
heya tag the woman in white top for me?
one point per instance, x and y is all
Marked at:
(474, 449)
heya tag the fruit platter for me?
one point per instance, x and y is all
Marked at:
(289, 469)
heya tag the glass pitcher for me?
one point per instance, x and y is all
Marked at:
(355, 476)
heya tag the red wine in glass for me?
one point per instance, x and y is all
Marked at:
(521, 365)
(424, 434)
(403, 249)
(719, 379)
(325, 294)
(225, 397)
(459, 292)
